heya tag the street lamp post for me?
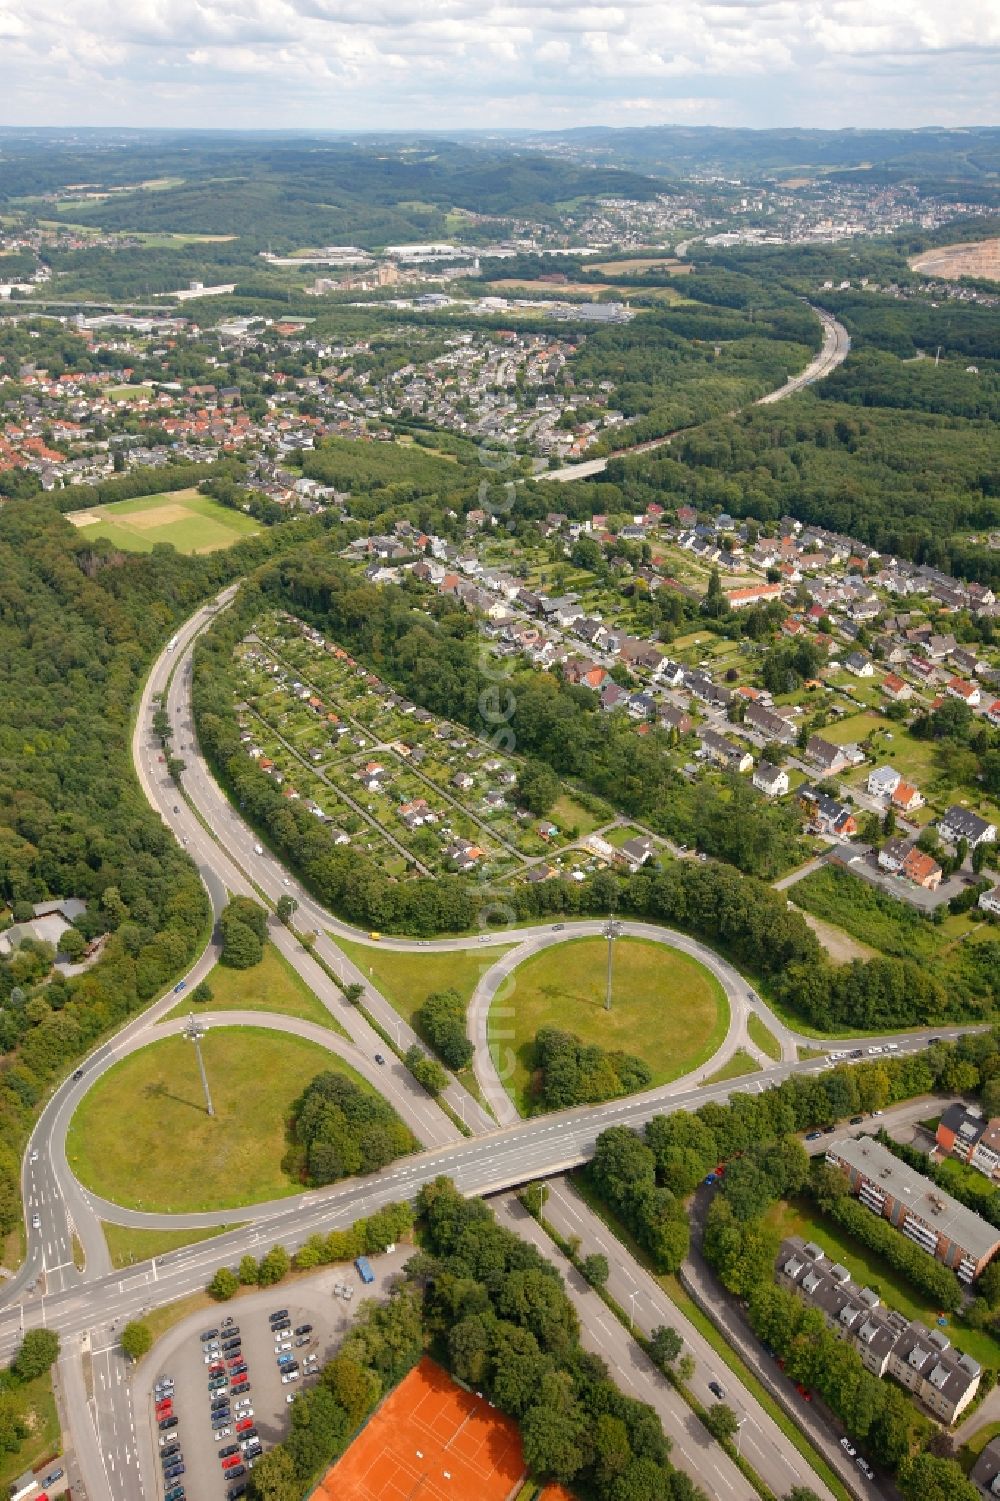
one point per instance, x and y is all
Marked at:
(194, 1031)
(610, 931)
(631, 1317)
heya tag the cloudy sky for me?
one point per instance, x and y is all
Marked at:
(361, 64)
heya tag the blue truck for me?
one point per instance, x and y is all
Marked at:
(363, 1268)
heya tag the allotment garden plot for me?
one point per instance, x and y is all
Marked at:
(423, 794)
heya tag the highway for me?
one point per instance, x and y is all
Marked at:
(87, 1307)
(835, 349)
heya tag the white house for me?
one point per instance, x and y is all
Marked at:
(990, 901)
(771, 780)
(883, 782)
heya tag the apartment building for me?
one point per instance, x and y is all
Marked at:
(935, 1221)
(971, 1139)
(923, 1360)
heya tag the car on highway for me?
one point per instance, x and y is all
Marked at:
(34, 1157)
(36, 1222)
(379, 1058)
(717, 1390)
(848, 1447)
(557, 927)
(78, 1073)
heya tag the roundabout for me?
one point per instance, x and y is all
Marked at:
(171, 1156)
(666, 1009)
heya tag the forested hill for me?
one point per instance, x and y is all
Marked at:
(291, 191)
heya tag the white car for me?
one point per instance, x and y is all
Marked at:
(34, 1157)
(289, 1376)
(244, 1412)
(36, 1222)
(280, 1345)
(290, 1398)
(848, 1447)
(222, 1433)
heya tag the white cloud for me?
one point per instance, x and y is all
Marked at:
(465, 62)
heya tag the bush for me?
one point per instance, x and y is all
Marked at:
(137, 1339)
(39, 1351)
(224, 1285)
(577, 1073)
(341, 1129)
(441, 1020)
(243, 928)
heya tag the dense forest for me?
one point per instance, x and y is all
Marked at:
(79, 625)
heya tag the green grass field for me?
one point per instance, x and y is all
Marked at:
(142, 1138)
(272, 985)
(666, 1008)
(128, 1246)
(734, 1068)
(406, 979)
(36, 1407)
(190, 522)
(763, 1037)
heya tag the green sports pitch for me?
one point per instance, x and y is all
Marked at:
(189, 521)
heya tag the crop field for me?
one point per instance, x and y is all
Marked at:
(188, 521)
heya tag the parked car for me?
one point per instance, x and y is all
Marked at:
(865, 1468)
(848, 1447)
(228, 1450)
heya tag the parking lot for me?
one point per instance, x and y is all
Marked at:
(245, 1407)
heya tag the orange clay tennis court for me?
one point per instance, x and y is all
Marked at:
(429, 1441)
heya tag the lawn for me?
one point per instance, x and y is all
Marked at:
(734, 1068)
(406, 978)
(128, 1246)
(871, 916)
(763, 1037)
(37, 1408)
(189, 1161)
(272, 985)
(568, 814)
(801, 1217)
(190, 522)
(666, 1008)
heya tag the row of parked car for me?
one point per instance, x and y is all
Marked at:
(285, 1338)
(230, 1405)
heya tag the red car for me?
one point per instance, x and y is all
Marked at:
(234, 1360)
(243, 1424)
(231, 1462)
(165, 1408)
(803, 1391)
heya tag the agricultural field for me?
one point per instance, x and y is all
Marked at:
(666, 1008)
(190, 522)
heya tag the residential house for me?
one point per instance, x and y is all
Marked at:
(922, 869)
(896, 689)
(723, 752)
(826, 815)
(960, 823)
(990, 901)
(969, 693)
(772, 726)
(892, 854)
(906, 798)
(883, 782)
(636, 852)
(828, 757)
(741, 599)
(671, 718)
(771, 780)
(860, 665)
